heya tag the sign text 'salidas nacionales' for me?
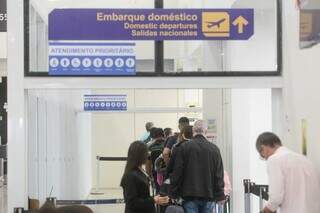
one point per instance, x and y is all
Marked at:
(150, 23)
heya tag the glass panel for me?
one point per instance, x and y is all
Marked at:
(38, 30)
(259, 53)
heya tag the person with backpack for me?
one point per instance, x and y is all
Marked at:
(172, 140)
(155, 150)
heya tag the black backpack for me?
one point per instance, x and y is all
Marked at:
(156, 150)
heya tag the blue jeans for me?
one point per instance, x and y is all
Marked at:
(198, 206)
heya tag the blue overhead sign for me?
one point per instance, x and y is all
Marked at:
(151, 24)
(92, 58)
(105, 103)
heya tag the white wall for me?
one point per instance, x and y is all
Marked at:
(216, 105)
(84, 125)
(17, 177)
(3, 54)
(3, 45)
(251, 115)
(301, 93)
(59, 144)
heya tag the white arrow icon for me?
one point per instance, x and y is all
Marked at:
(241, 22)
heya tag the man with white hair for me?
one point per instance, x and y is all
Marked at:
(198, 173)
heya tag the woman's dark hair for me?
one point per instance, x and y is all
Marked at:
(167, 132)
(158, 133)
(152, 132)
(268, 139)
(187, 132)
(184, 120)
(137, 156)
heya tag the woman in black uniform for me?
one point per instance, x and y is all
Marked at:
(136, 183)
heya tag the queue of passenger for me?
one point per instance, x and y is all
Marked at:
(183, 165)
(187, 173)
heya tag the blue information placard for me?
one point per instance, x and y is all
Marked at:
(92, 58)
(151, 24)
(105, 103)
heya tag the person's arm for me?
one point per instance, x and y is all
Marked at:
(177, 174)
(227, 184)
(276, 185)
(218, 177)
(133, 199)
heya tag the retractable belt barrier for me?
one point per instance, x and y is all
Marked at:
(259, 190)
(225, 208)
(89, 202)
(99, 158)
(54, 202)
(111, 158)
(22, 210)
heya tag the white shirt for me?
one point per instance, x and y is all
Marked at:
(294, 183)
